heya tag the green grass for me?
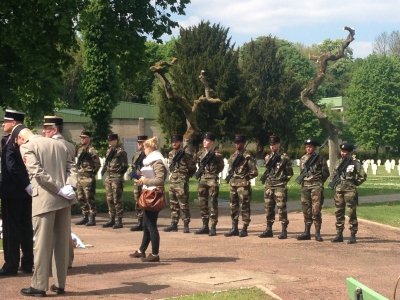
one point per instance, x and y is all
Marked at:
(380, 184)
(385, 213)
(237, 294)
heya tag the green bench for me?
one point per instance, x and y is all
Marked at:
(357, 291)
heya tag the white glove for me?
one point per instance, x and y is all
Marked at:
(67, 192)
(29, 189)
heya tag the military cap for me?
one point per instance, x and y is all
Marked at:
(13, 115)
(86, 133)
(112, 136)
(142, 138)
(210, 136)
(240, 138)
(347, 147)
(177, 137)
(14, 133)
(274, 139)
(312, 142)
(53, 120)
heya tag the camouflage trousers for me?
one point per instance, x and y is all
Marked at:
(346, 199)
(86, 192)
(208, 189)
(137, 190)
(312, 198)
(278, 197)
(114, 191)
(179, 200)
(240, 197)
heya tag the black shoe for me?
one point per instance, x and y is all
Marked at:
(266, 234)
(186, 227)
(151, 258)
(8, 273)
(171, 228)
(138, 254)
(58, 291)
(31, 292)
(110, 223)
(83, 221)
(25, 271)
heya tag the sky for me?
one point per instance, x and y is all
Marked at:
(304, 21)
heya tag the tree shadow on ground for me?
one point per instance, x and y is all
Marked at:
(98, 269)
(203, 259)
(129, 288)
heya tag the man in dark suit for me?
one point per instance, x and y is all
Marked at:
(53, 194)
(16, 201)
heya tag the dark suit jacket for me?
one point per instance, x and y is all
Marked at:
(14, 175)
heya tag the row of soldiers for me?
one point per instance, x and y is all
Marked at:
(242, 168)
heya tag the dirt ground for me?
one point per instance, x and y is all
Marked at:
(192, 263)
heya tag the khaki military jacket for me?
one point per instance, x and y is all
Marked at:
(118, 164)
(281, 174)
(88, 161)
(215, 166)
(246, 170)
(49, 167)
(352, 177)
(184, 169)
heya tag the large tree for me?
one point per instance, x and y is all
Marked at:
(386, 43)
(114, 35)
(374, 102)
(207, 64)
(35, 40)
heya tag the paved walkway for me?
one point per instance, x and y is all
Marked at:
(194, 264)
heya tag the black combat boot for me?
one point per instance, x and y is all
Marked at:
(305, 236)
(139, 225)
(186, 227)
(234, 231)
(318, 236)
(268, 232)
(110, 223)
(213, 230)
(338, 238)
(118, 224)
(83, 221)
(283, 234)
(352, 239)
(243, 232)
(92, 221)
(172, 227)
(204, 229)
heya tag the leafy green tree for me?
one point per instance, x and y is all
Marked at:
(35, 40)
(114, 36)
(373, 102)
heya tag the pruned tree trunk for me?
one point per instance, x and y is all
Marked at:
(308, 93)
(192, 130)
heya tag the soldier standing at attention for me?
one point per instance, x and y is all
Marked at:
(312, 191)
(279, 174)
(182, 167)
(242, 169)
(115, 167)
(88, 166)
(346, 194)
(210, 165)
(137, 164)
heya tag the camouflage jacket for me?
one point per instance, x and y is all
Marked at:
(354, 175)
(281, 174)
(318, 173)
(184, 169)
(134, 159)
(246, 170)
(88, 161)
(118, 164)
(215, 166)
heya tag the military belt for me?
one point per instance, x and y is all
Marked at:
(87, 174)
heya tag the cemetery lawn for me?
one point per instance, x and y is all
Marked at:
(385, 213)
(236, 294)
(380, 184)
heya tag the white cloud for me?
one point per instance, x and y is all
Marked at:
(361, 49)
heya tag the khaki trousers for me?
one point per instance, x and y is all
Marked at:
(52, 237)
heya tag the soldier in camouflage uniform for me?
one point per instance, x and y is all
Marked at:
(88, 166)
(276, 189)
(208, 187)
(240, 188)
(346, 194)
(137, 189)
(179, 184)
(312, 191)
(115, 167)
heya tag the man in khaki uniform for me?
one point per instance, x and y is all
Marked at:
(52, 197)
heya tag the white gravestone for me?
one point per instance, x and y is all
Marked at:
(378, 162)
(374, 167)
(388, 166)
